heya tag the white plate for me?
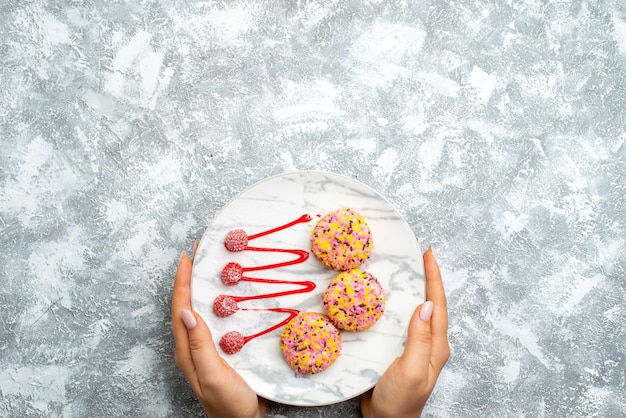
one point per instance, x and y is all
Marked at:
(396, 261)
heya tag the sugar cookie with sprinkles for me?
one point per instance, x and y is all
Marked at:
(310, 343)
(354, 300)
(342, 240)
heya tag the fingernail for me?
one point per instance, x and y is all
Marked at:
(432, 250)
(189, 319)
(181, 256)
(427, 311)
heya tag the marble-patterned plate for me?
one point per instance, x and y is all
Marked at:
(396, 261)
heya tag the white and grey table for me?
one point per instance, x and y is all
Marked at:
(496, 128)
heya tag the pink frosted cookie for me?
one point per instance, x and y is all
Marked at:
(341, 240)
(354, 300)
(310, 343)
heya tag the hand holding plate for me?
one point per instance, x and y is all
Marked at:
(220, 389)
(403, 389)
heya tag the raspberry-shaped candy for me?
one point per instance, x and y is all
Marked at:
(224, 306)
(236, 240)
(232, 273)
(232, 342)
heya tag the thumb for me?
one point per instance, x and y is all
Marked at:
(419, 339)
(203, 351)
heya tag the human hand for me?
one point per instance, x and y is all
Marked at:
(220, 389)
(405, 386)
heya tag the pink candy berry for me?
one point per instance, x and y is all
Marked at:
(232, 274)
(232, 342)
(224, 306)
(236, 240)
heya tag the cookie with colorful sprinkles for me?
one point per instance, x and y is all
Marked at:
(354, 300)
(342, 240)
(310, 343)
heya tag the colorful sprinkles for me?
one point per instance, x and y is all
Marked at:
(342, 240)
(310, 343)
(354, 300)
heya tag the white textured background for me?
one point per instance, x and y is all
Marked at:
(496, 127)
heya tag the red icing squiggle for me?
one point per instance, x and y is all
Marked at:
(225, 305)
(233, 341)
(302, 219)
(233, 272)
(237, 239)
(302, 257)
(292, 313)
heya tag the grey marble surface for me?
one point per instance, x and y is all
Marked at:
(395, 260)
(497, 128)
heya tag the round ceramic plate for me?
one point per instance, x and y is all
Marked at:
(396, 261)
